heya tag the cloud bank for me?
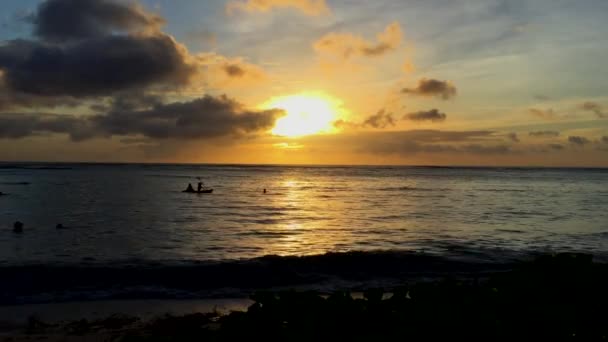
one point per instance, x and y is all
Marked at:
(203, 118)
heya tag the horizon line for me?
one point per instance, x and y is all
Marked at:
(303, 164)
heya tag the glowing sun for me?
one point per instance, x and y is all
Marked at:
(305, 114)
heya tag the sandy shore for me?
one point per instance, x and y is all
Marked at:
(13, 319)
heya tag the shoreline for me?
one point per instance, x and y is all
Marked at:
(325, 273)
(145, 309)
(549, 298)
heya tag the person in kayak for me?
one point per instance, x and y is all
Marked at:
(200, 186)
(189, 188)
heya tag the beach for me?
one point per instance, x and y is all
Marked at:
(551, 297)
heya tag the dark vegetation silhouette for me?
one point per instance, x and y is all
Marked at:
(555, 297)
(18, 227)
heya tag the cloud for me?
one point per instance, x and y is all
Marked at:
(341, 123)
(605, 139)
(544, 134)
(67, 20)
(431, 115)
(18, 125)
(308, 7)
(434, 142)
(87, 48)
(595, 108)
(547, 114)
(97, 49)
(10, 99)
(431, 87)
(556, 147)
(344, 46)
(380, 120)
(223, 71)
(576, 140)
(94, 67)
(203, 118)
(513, 137)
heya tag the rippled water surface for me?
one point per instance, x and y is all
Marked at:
(138, 212)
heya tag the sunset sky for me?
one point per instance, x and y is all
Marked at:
(441, 82)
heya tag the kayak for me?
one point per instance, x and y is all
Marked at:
(204, 191)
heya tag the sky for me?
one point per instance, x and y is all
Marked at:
(413, 82)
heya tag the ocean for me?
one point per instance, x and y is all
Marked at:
(132, 222)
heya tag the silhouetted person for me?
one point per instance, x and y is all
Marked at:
(189, 188)
(200, 187)
(264, 190)
(18, 227)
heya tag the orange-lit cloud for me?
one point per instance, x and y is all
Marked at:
(344, 46)
(408, 67)
(221, 71)
(308, 7)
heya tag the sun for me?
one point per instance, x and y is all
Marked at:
(306, 114)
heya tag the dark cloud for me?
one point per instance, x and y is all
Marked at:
(547, 114)
(576, 140)
(556, 147)
(542, 134)
(542, 97)
(380, 120)
(94, 67)
(66, 20)
(206, 117)
(10, 99)
(90, 48)
(15, 126)
(596, 108)
(431, 87)
(513, 137)
(202, 118)
(431, 115)
(605, 139)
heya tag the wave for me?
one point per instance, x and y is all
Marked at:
(135, 279)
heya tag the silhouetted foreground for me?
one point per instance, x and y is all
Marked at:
(553, 298)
